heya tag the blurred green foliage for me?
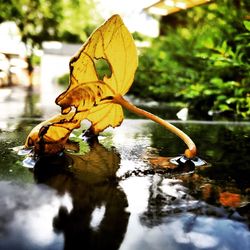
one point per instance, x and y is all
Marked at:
(37, 20)
(80, 18)
(63, 80)
(42, 20)
(201, 59)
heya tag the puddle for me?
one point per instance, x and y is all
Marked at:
(112, 197)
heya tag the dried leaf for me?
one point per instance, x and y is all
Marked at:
(162, 162)
(230, 199)
(91, 97)
(51, 135)
(113, 43)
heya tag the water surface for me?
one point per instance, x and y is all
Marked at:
(113, 197)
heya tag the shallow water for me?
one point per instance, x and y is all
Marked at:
(113, 197)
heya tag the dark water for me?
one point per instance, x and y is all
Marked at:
(113, 198)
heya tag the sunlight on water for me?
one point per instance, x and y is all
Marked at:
(136, 189)
(37, 220)
(29, 162)
(97, 217)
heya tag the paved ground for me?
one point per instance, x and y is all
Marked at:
(12, 102)
(19, 102)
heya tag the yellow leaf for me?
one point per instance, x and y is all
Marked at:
(98, 100)
(89, 96)
(83, 97)
(113, 43)
(51, 135)
(105, 115)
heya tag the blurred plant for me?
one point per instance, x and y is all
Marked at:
(63, 80)
(79, 18)
(201, 58)
(37, 20)
(43, 20)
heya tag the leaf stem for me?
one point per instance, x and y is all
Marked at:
(189, 153)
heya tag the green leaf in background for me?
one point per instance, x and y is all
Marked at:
(247, 25)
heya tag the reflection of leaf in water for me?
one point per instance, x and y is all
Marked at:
(98, 165)
(87, 180)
